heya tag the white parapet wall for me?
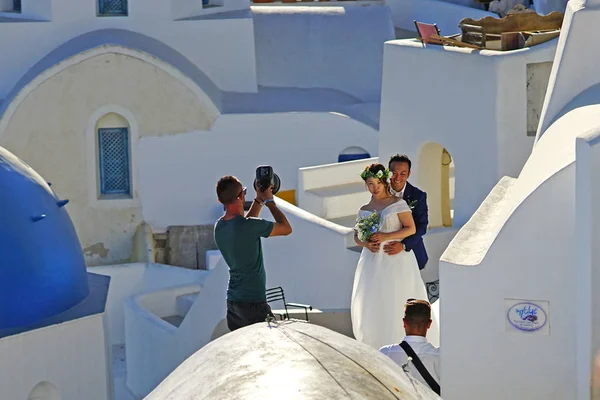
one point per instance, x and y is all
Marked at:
(445, 14)
(333, 190)
(131, 279)
(313, 264)
(522, 252)
(475, 104)
(66, 361)
(154, 346)
(587, 260)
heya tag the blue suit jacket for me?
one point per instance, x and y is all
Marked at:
(415, 242)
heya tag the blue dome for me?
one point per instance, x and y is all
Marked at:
(42, 268)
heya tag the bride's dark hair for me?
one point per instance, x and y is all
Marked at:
(372, 170)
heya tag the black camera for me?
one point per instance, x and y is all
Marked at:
(265, 177)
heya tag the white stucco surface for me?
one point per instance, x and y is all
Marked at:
(485, 86)
(191, 164)
(154, 346)
(587, 191)
(72, 357)
(323, 254)
(132, 279)
(573, 59)
(508, 244)
(445, 14)
(116, 80)
(336, 46)
(289, 360)
(228, 58)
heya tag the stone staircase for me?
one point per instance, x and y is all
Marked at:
(183, 304)
(184, 246)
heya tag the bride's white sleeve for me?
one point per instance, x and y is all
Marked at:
(402, 206)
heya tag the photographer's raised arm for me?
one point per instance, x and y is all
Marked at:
(282, 226)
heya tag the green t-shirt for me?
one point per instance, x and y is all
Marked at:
(238, 239)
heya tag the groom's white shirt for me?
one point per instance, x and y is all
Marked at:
(401, 192)
(428, 354)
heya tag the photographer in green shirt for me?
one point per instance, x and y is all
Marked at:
(238, 237)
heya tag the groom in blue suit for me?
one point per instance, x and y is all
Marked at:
(400, 166)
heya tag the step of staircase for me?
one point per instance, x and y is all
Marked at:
(184, 303)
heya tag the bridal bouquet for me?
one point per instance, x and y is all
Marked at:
(367, 226)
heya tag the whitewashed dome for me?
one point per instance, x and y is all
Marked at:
(289, 360)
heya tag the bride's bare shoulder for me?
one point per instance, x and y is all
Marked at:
(366, 207)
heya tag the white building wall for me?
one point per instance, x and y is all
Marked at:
(473, 104)
(61, 141)
(445, 14)
(72, 356)
(223, 48)
(587, 219)
(524, 244)
(573, 70)
(333, 46)
(178, 174)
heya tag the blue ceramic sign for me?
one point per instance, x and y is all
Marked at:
(527, 316)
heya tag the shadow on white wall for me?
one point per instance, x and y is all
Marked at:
(44, 391)
(436, 178)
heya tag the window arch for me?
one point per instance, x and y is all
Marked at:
(353, 153)
(113, 155)
(44, 391)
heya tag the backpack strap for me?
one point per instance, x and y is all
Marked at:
(421, 368)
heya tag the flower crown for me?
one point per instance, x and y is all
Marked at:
(385, 174)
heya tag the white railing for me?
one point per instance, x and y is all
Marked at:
(318, 2)
(333, 190)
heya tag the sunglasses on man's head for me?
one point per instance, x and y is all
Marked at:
(243, 191)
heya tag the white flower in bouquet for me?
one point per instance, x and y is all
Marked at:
(367, 226)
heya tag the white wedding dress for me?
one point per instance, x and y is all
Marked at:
(382, 284)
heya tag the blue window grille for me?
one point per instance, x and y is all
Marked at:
(112, 7)
(113, 149)
(352, 157)
(17, 5)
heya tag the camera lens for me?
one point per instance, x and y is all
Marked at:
(276, 183)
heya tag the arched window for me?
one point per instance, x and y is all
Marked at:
(114, 157)
(436, 177)
(353, 153)
(44, 391)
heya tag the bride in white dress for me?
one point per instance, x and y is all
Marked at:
(383, 283)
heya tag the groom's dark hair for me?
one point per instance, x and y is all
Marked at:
(400, 158)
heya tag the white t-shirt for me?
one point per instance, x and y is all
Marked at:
(428, 354)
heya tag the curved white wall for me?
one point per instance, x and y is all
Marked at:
(60, 142)
(573, 70)
(521, 245)
(222, 47)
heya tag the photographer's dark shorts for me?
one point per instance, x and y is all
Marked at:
(240, 314)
